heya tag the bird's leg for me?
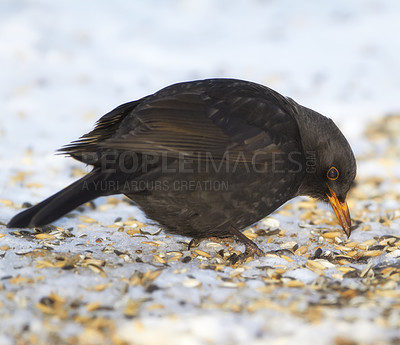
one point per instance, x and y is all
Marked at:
(194, 242)
(251, 247)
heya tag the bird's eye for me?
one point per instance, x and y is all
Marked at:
(332, 174)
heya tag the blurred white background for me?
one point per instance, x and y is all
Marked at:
(64, 64)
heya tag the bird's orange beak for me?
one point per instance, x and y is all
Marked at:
(341, 210)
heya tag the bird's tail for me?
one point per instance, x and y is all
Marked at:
(85, 189)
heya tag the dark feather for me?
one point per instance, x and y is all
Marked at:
(259, 143)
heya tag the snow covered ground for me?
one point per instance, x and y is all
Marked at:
(97, 278)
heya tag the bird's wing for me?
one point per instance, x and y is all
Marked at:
(200, 121)
(192, 120)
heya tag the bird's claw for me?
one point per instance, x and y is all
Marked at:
(251, 250)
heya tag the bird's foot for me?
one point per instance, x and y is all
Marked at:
(251, 250)
(194, 242)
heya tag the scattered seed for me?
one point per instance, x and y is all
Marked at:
(366, 270)
(249, 233)
(236, 272)
(231, 285)
(294, 284)
(315, 265)
(333, 234)
(346, 269)
(97, 269)
(301, 250)
(132, 232)
(45, 236)
(324, 263)
(372, 253)
(93, 306)
(159, 259)
(280, 271)
(191, 283)
(87, 219)
(214, 245)
(288, 245)
(7, 203)
(149, 230)
(202, 253)
(270, 223)
(152, 243)
(287, 258)
(131, 309)
(186, 259)
(150, 276)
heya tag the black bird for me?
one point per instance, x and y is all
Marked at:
(208, 158)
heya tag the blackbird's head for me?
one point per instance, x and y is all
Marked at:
(331, 166)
